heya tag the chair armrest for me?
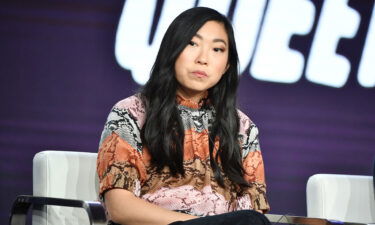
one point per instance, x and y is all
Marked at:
(21, 205)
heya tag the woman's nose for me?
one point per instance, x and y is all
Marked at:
(202, 57)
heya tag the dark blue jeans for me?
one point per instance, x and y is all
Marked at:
(243, 217)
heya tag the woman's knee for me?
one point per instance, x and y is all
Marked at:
(246, 217)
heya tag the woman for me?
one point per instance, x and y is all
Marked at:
(180, 149)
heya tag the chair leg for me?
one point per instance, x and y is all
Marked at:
(19, 212)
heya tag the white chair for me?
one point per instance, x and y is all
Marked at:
(65, 191)
(347, 198)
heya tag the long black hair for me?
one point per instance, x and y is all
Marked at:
(163, 132)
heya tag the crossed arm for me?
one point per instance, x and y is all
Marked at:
(125, 208)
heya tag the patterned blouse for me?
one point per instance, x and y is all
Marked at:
(124, 163)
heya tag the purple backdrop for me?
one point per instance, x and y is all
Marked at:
(59, 79)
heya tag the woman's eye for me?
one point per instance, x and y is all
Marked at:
(192, 43)
(219, 49)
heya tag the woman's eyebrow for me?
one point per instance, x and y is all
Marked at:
(214, 40)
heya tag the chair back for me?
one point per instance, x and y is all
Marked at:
(347, 198)
(64, 174)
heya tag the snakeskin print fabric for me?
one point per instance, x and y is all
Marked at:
(124, 163)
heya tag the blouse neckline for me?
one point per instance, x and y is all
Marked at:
(191, 104)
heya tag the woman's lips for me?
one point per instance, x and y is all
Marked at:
(199, 73)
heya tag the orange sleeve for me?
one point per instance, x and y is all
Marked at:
(254, 168)
(119, 166)
(121, 160)
(253, 164)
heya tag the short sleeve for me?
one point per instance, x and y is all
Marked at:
(120, 163)
(253, 164)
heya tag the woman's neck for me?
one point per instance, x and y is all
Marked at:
(195, 97)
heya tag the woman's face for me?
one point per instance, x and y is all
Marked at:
(203, 61)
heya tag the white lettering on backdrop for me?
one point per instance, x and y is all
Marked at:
(366, 71)
(325, 66)
(272, 59)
